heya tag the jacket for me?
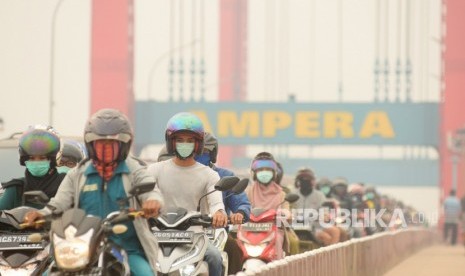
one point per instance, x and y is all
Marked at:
(70, 190)
(234, 203)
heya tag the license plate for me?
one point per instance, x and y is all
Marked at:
(256, 227)
(174, 236)
(17, 241)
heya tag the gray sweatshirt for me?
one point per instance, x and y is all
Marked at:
(183, 186)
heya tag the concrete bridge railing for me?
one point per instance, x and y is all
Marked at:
(368, 256)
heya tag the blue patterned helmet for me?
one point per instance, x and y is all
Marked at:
(39, 140)
(184, 122)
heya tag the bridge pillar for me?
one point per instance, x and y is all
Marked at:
(112, 47)
(233, 63)
(453, 94)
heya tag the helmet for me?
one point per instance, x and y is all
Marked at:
(211, 144)
(340, 181)
(263, 160)
(340, 185)
(356, 189)
(184, 122)
(324, 181)
(39, 140)
(302, 174)
(72, 151)
(108, 124)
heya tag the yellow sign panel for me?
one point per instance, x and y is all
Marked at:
(304, 124)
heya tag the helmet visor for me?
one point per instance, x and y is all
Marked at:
(260, 163)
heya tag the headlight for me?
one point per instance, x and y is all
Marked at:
(188, 270)
(255, 250)
(6, 270)
(72, 253)
(191, 254)
(220, 241)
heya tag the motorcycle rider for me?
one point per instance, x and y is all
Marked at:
(184, 136)
(237, 206)
(38, 147)
(339, 191)
(324, 185)
(97, 185)
(267, 194)
(69, 156)
(309, 197)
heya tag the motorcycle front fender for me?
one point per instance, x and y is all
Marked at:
(252, 263)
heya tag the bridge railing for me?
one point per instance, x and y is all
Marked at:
(368, 256)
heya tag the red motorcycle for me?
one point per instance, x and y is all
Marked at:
(257, 238)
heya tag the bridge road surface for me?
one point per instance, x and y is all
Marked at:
(436, 260)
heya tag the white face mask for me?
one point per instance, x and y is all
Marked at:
(264, 177)
(185, 149)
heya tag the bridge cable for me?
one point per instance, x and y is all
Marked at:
(377, 68)
(171, 68)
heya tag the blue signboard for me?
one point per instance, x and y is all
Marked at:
(238, 123)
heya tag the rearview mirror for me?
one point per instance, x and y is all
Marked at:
(291, 198)
(142, 188)
(35, 197)
(226, 183)
(241, 186)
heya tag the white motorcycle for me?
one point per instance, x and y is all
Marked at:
(183, 236)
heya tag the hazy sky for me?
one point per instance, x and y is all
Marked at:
(295, 47)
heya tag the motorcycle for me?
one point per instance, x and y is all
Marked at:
(305, 233)
(19, 255)
(219, 236)
(81, 244)
(257, 238)
(183, 236)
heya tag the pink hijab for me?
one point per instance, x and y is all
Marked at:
(266, 197)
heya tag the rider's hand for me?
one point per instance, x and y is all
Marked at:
(220, 219)
(151, 208)
(237, 218)
(32, 216)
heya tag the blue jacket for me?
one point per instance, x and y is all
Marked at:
(234, 203)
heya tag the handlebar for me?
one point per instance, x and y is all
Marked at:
(34, 224)
(123, 216)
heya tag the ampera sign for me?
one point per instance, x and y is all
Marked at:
(237, 123)
(303, 124)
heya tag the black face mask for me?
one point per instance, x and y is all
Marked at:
(305, 187)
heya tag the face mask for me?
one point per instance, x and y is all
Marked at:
(203, 159)
(264, 177)
(325, 190)
(63, 169)
(185, 149)
(106, 152)
(370, 196)
(38, 168)
(306, 187)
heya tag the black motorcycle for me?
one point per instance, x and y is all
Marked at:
(80, 244)
(18, 254)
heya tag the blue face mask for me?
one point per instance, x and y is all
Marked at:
(38, 168)
(63, 169)
(264, 177)
(203, 159)
(185, 149)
